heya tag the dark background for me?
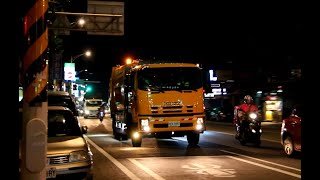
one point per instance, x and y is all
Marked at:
(248, 35)
(264, 37)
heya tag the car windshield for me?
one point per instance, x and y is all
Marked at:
(62, 123)
(93, 103)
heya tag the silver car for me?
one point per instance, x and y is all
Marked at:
(68, 153)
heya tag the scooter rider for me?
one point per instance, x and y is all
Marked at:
(243, 109)
(101, 110)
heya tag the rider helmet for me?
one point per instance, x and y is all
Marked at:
(248, 99)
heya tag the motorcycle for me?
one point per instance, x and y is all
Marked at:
(249, 130)
(101, 114)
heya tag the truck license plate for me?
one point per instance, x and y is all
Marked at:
(173, 123)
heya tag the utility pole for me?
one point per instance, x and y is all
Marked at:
(35, 78)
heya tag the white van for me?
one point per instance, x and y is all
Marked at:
(90, 107)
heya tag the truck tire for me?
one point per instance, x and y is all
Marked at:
(193, 138)
(136, 142)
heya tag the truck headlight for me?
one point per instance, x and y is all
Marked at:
(200, 120)
(199, 125)
(145, 124)
(135, 135)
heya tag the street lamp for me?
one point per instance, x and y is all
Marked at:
(72, 59)
(87, 53)
(81, 72)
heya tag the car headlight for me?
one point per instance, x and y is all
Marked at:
(78, 156)
(86, 111)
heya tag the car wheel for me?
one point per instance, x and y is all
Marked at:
(288, 146)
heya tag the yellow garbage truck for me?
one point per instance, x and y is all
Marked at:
(161, 100)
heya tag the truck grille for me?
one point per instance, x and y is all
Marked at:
(171, 109)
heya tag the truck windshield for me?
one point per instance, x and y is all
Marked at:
(169, 78)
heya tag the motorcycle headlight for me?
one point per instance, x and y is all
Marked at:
(253, 115)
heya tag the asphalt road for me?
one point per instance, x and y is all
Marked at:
(219, 155)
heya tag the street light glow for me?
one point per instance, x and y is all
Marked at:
(88, 53)
(128, 61)
(81, 22)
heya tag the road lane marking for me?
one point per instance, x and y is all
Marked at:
(211, 169)
(265, 139)
(267, 167)
(288, 167)
(113, 160)
(145, 169)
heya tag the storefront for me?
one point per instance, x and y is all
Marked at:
(272, 108)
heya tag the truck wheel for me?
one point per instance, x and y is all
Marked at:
(193, 138)
(116, 135)
(136, 142)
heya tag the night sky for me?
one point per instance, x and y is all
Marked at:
(269, 36)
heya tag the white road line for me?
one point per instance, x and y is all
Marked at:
(145, 169)
(265, 139)
(288, 167)
(267, 167)
(114, 161)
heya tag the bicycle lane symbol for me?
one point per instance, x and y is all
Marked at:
(211, 169)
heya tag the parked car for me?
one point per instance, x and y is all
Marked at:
(59, 98)
(291, 132)
(68, 153)
(62, 98)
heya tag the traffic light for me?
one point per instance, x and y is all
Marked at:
(88, 89)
